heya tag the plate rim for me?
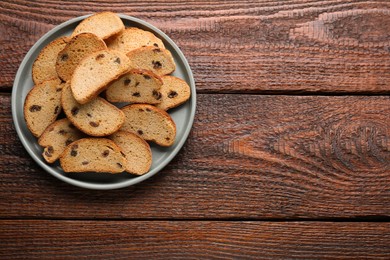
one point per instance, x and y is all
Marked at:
(135, 180)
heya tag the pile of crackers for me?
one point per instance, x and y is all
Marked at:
(101, 95)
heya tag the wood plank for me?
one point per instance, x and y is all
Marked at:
(242, 46)
(248, 156)
(192, 240)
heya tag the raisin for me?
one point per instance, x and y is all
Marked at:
(120, 165)
(73, 153)
(155, 44)
(140, 132)
(35, 108)
(147, 77)
(94, 124)
(126, 82)
(64, 57)
(136, 84)
(105, 153)
(100, 56)
(148, 109)
(157, 50)
(49, 151)
(117, 60)
(167, 138)
(68, 142)
(89, 115)
(84, 162)
(74, 111)
(156, 64)
(48, 154)
(140, 110)
(136, 94)
(172, 94)
(62, 132)
(56, 110)
(58, 89)
(156, 94)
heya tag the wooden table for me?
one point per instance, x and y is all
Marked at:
(289, 156)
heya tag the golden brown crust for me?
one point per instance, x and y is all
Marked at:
(136, 150)
(93, 155)
(96, 118)
(136, 86)
(159, 61)
(133, 38)
(42, 106)
(111, 25)
(56, 137)
(95, 72)
(150, 123)
(174, 91)
(75, 50)
(43, 67)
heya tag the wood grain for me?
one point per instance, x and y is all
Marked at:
(192, 240)
(248, 156)
(242, 46)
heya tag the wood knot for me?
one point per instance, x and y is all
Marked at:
(362, 145)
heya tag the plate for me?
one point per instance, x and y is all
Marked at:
(182, 115)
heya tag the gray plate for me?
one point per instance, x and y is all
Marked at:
(182, 115)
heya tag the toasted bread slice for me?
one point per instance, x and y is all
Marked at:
(174, 92)
(56, 137)
(150, 123)
(136, 86)
(42, 105)
(133, 38)
(43, 67)
(75, 50)
(157, 60)
(93, 155)
(95, 72)
(136, 150)
(103, 25)
(96, 118)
